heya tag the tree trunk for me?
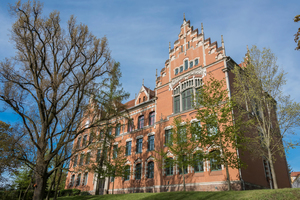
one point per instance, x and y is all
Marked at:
(41, 177)
(113, 187)
(183, 178)
(57, 185)
(272, 170)
(228, 177)
(26, 191)
(51, 185)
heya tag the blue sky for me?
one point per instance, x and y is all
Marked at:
(139, 33)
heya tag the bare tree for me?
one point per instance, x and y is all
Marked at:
(47, 82)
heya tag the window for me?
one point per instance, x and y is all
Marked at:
(109, 131)
(196, 62)
(169, 166)
(181, 68)
(215, 161)
(81, 159)
(168, 137)
(150, 170)
(141, 122)
(78, 142)
(115, 151)
(196, 129)
(151, 143)
(130, 125)
(72, 180)
(139, 100)
(84, 140)
(118, 128)
(187, 99)
(88, 158)
(78, 179)
(127, 173)
(85, 177)
(138, 171)
(198, 166)
(176, 71)
(75, 161)
(144, 98)
(191, 64)
(98, 155)
(91, 137)
(188, 44)
(176, 104)
(186, 65)
(139, 145)
(185, 169)
(151, 118)
(183, 136)
(128, 148)
(181, 48)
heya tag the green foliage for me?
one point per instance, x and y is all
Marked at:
(69, 192)
(272, 115)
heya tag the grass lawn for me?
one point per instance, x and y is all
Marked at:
(249, 194)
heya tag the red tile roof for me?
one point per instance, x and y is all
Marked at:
(294, 174)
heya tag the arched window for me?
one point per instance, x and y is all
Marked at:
(186, 64)
(75, 160)
(141, 122)
(78, 179)
(130, 125)
(118, 129)
(151, 118)
(88, 158)
(150, 169)
(138, 171)
(215, 160)
(127, 173)
(72, 180)
(185, 167)
(169, 166)
(84, 140)
(81, 159)
(85, 177)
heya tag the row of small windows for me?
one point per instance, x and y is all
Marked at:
(138, 171)
(198, 165)
(139, 145)
(187, 65)
(83, 159)
(78, 180)
(188, 46)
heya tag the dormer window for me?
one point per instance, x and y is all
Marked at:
(144, 98)
(139, 100)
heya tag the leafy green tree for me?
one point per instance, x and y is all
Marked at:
(297, 35)
(274, 116)
(219, 130)
(181, 143)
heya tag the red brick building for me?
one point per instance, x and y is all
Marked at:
(190, 62)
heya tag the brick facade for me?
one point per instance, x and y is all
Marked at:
(192, 60)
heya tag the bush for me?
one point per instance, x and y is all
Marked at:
(69, 192)
(14, 194)
(84, 193)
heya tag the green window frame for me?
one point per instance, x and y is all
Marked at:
(187, 99)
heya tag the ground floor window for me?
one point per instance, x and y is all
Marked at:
(150, 170)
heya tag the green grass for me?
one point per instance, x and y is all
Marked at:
(230, 195)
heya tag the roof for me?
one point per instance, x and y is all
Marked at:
(294, 174)
(131, 103)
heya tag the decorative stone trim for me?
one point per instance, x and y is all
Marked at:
(139, 137)
(168, 127)
(129, 139)
(152, 133)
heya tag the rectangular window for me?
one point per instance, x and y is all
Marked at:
(151, 118)
(78, 142)
(191, 64)
(168, 137)
(84, 140)
(196, 62)
(78, 179)
(118, 128)
(141, 122)
(188, 44)
(187, 99)
(128, 148)
(88, 157)
(75, 161)
(186, 64)
(115, 152)
(150, 170)
(81, 159)
(184, 168)
(139, 145)
(198, 167)
(181, 48)
(151, 143)
(176, 71)
(72, 180)
(98, 155)
(176, 104)
(181, 68)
